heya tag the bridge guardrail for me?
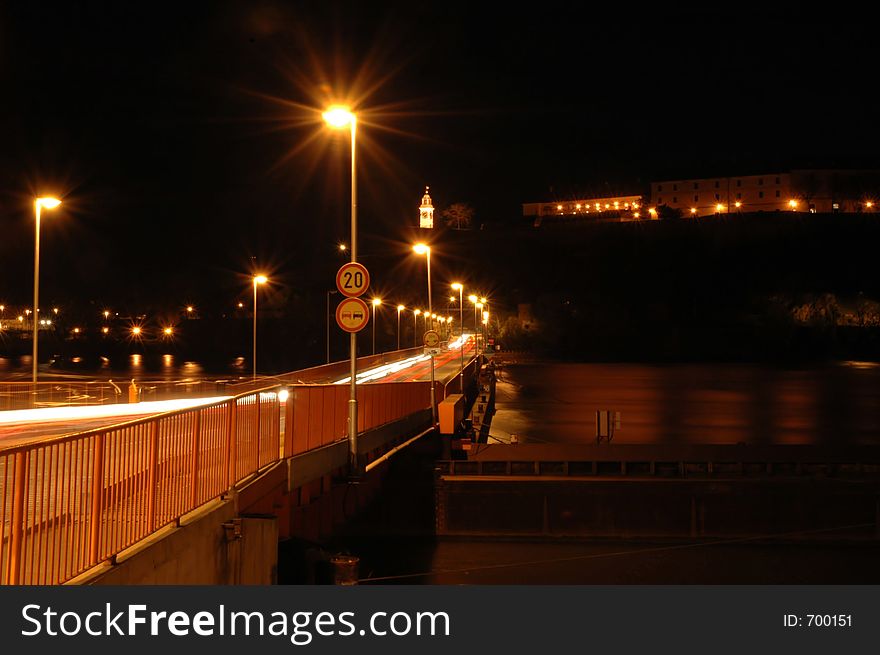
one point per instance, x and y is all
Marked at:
(70, 503)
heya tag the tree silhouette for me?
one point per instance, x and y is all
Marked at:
(458, 216)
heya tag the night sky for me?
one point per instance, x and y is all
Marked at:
(185, 142)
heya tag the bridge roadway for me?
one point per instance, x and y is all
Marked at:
(24, 426)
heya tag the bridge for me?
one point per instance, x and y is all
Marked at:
(214, 485)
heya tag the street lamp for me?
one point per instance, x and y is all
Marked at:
(460, 288)
(376, 302)
(39, 204)
(479, 308)
(400, 308)
(258, 279)
(416, 313)
(338, 117)
(422, 249)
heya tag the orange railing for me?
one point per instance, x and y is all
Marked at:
(72, 502)
(319, 413)
(69, 503)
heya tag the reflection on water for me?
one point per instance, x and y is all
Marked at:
(690, 403)
(135, 365)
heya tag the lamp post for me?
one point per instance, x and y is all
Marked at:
(477, 326)
(338, 117)
(376, 302)
(474, 300)
(39, 204)
(416, 313)
(258, 279)
(422, 249)
(400, 308)
(460, 288)
(484, 303)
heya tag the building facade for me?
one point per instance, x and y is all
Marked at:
(817, 191)
(617, 207)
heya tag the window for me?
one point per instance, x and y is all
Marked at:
(659, 188)
(674, 199)
(717, 197)
(760, 194)
(739, 183)
(777, 180)
(739, 196)
(675, 187)
(696, 185)
(696, 198)
(717, 184)
(659, 201)
(777, 193)
(760, 181)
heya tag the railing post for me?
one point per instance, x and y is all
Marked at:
(18, 516)
(197, 424)
(257, 426)
(151, 476)
(97, 499)
(230, 441)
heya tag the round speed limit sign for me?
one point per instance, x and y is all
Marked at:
(352, 279)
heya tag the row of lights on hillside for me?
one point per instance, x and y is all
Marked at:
(720, 207)
(598, 206)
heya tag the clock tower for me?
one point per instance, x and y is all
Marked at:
(426, 212)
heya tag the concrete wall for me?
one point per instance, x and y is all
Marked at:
(212, 546)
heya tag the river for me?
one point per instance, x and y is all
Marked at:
(703, 403)
(125, 367)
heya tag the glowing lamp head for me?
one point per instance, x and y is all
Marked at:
(260, 279)
(719, 207)
(449, 319)
(421, 249)
(168, 331)
(457, 286)
(483, 299)
(472, 298)
(738, 204)
(400, 308)
(136, 330)
(189, 309)
(342, 247)
(338, 116)
(792, 203)
(48, 202)
(377, 302)
(693, 210)
(417, 311)
(105, 330)
(868, 204)
(76, 330)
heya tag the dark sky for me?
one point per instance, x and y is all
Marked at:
(181, 138)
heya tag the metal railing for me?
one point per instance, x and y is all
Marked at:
(72, 502)
(69, 503)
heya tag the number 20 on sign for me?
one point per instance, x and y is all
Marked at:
(352, 279)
